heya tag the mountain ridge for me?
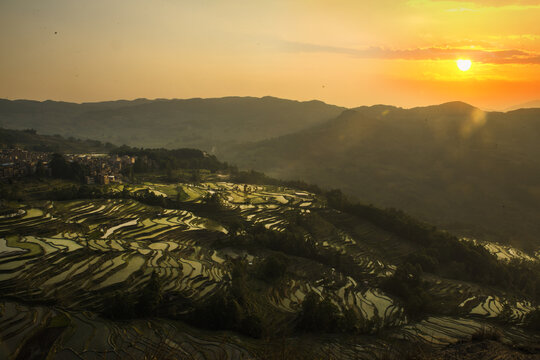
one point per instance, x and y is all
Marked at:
(197, 122)
(407, 158)
(387, 155)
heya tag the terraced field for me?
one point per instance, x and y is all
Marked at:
(506, 252)
(65, 260)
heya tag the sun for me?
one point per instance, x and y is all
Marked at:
(464, 65)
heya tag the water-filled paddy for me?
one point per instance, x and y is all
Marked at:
(119, 243)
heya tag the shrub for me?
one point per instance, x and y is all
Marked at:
(273, 267)
(532, 320)
(318, 316)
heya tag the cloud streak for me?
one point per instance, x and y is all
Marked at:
(500, 4)
(494, 3)
(432, 53)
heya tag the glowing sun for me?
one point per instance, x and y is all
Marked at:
(464, 65)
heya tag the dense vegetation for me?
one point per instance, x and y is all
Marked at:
(166, 160)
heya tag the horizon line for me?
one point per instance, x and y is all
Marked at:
(506, 109)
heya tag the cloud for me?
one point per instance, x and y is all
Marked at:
(461, 9)
(494, 2)
(431, 53)
(515, 4)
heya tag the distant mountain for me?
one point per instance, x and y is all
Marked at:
(28, 139)
(207, 124)
(527, 105)
(473, 172)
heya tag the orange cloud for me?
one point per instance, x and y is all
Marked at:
(432, 53)
(493, 3)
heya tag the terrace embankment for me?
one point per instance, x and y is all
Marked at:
(260, 251)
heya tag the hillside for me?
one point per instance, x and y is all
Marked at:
(472, 172)
(206, 124)
(191, 258)
(224, 270)
(29, 139)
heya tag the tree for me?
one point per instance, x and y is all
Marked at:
(532, 320)
(507, 314)
(319, 316)
(151, 296)
(273, 267)
(40, 169)
(59, 166)
(120, 306)
(406, 283)
(62, 169)
(252, 325)
(196, 176)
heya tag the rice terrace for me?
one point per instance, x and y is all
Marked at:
(270, 180)
(214, 269)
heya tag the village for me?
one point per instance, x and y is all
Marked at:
(101, 168)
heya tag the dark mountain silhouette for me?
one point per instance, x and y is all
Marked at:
(452, 164)
(201, 123)
(29, 139)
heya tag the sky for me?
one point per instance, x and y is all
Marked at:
(343, 52)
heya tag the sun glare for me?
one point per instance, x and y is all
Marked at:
(464, 65)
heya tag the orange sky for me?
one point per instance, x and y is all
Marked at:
(345, 52)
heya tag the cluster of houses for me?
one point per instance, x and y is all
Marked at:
(102, 168)
(19, 163)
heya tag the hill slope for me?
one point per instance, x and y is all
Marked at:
(199, 123)
(451, 164)
(234, 271)
(29, 139)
